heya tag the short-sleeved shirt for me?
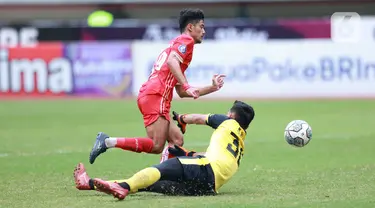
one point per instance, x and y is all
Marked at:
(161, 80)
(226, 147)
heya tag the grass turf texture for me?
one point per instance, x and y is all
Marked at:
(42, 141)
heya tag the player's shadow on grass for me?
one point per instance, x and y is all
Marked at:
(147, 196)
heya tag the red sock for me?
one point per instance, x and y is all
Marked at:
(135, 144)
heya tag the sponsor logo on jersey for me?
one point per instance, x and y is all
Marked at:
(182, 49)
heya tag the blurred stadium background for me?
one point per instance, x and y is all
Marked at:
(288, 58)
(68, 35)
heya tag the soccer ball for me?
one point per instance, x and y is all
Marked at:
(298, 133)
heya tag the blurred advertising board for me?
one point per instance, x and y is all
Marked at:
(274, 69)
(223, 30)
(101, 69)
(367, 29)
(58, 2)
(54, 69)
(35, 71)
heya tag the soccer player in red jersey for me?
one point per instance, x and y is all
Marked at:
(155, 95)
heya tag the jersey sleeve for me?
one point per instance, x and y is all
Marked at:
(214, 120)
(182, 48)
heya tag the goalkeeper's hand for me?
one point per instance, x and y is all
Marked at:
(180, 122)
(180, 151)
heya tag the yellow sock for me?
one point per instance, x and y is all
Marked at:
(143, 179)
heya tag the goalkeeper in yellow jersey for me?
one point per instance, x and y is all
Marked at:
(190, 173)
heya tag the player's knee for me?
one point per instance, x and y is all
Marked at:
(158, 131)
(175, 136)
(158, 148)
(178, 139)
(159, 144)
(179, 142)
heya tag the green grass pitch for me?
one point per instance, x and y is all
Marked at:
(42, 141)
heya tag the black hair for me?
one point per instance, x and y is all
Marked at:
(190, 16)
(244, 113)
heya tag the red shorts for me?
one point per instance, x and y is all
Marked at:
(152, 107)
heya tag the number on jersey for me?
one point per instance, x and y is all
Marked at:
(238, 151)
(159, 62)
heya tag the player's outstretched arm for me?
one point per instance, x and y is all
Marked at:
(181, 123)
(213, 120)
(175, 68)
(202, 91)
(190, 118)
(217, 83)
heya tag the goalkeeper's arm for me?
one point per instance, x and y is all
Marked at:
(213, 120)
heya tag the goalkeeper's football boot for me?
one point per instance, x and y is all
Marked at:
(81, 178)
(111, 188)
(99, 146)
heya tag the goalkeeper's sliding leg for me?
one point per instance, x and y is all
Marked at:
(170, 177)
(164, 178)
(170, 170)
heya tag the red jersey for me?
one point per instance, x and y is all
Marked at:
(161, 80)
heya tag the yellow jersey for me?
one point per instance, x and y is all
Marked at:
(226, 147)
